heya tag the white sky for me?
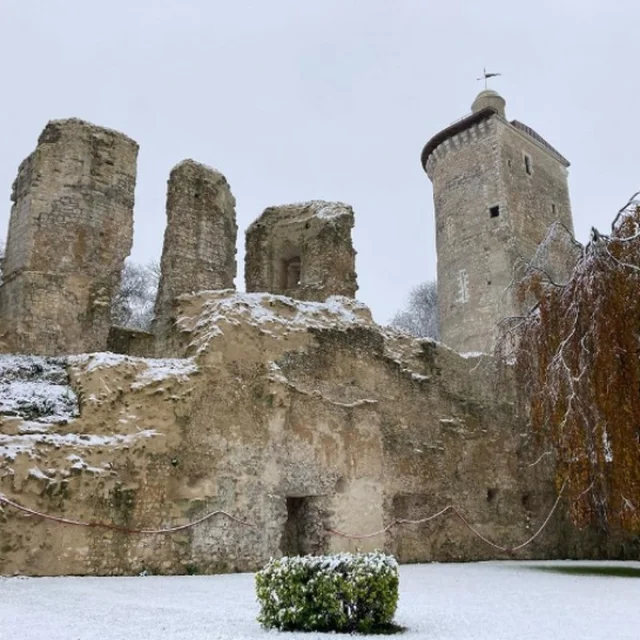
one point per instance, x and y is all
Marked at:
(326, 99)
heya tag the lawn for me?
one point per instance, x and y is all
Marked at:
(488, 601)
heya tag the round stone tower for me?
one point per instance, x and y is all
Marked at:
(498, 186)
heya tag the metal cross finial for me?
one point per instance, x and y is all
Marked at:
(485, 76)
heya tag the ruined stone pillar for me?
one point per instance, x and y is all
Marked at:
(71, 228)
(303, 251)
(199, 251)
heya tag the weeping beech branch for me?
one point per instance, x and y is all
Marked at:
(577, 360)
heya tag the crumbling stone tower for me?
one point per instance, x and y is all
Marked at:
(70, 229)
(199, 251)
(303, 251)
(497, 187)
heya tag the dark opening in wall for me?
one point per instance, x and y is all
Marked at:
(291, 542)
(290, 273)
(527, 164)
(553, 209)
(494, 211)
(304, 531)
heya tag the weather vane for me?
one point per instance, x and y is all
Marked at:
(486, 76)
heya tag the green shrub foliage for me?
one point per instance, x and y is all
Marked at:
(344, 592)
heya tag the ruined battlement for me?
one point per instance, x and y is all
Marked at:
(302, 250)
(71, 229)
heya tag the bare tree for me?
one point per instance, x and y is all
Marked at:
(132, 305)
(420, 317)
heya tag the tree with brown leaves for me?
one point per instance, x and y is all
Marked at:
(578, 363)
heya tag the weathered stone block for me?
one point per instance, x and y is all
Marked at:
(131, 342)
(303, 251)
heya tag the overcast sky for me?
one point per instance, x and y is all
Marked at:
(326, 99)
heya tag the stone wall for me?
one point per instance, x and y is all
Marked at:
(303, 251)
(298, 418)
(536, 199)
(132, 342)
(475, 252)
(70, 230)
(199, 241)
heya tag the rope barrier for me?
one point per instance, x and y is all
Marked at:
(467, 524)
(113, 527)
(396, 523)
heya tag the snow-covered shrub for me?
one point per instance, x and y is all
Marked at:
(344, 593)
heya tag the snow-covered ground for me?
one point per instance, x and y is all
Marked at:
(489, 600)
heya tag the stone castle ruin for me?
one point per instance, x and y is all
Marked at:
(295, 251)
(278, 421)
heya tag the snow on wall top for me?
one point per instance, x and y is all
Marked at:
(274, 315)
(323, 209)
(303, 211)
(149, 370)
(36, 388)
(27, 443)
(200, 166)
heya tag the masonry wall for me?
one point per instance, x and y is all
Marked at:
(475, 251)
(303, 251)
(279, 404)
(534, 201)
(70, 230)
(200, 238)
